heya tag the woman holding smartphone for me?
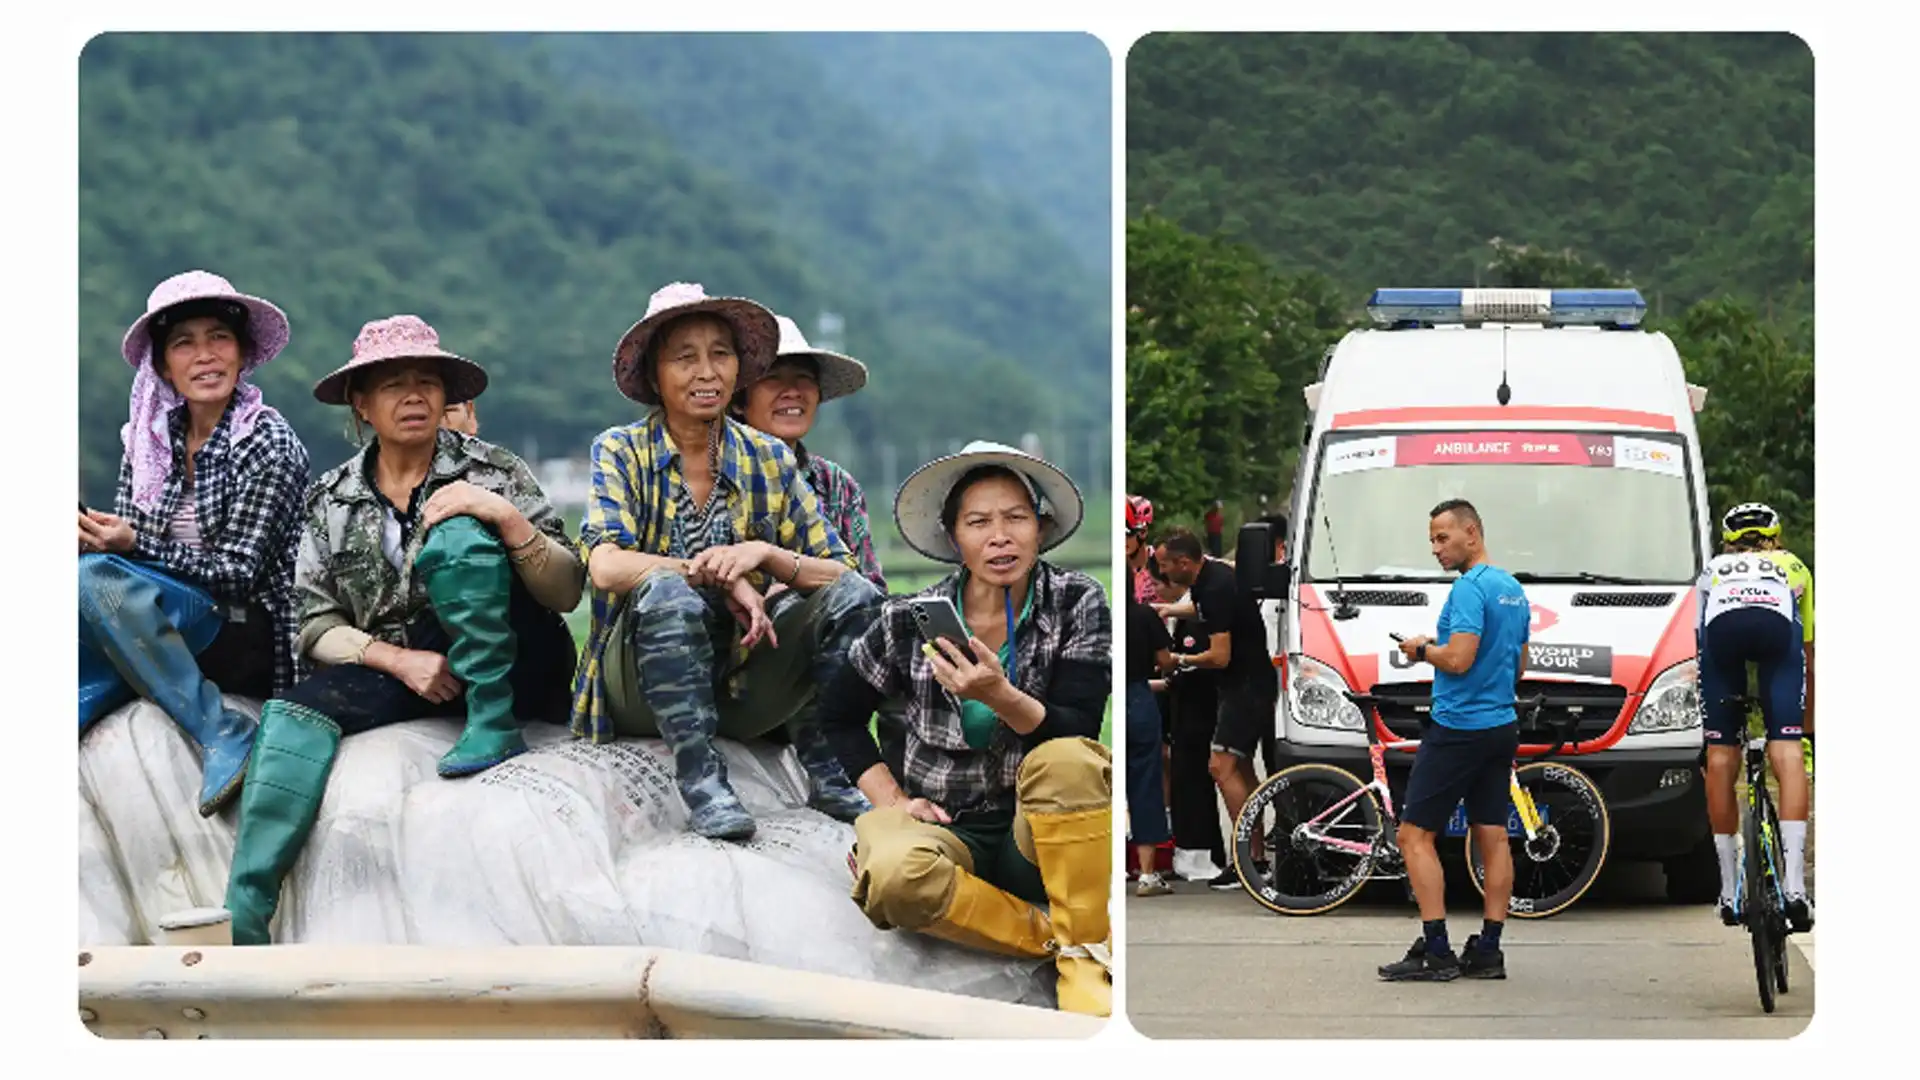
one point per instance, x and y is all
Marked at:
(997, 835)
(186, 589)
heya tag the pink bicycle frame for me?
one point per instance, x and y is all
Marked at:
(1377, 751)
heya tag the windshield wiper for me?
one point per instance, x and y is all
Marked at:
(1583, 576)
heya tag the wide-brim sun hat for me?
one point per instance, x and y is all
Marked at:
(403, 337)
(839, 375)
(266, 324)
(916, 509)
(756, 336)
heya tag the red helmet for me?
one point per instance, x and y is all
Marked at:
(1139, 513)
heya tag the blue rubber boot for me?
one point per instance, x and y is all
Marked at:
(124, 611)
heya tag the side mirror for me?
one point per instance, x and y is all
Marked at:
(1254, 571)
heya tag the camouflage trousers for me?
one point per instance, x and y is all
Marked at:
(667, 672)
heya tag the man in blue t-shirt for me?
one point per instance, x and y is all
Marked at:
(1467, 752)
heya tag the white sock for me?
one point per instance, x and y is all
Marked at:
(1794, 833)
(1729, 867)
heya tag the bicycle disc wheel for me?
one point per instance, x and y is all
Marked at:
(1307, 875)
(1759, 907)
(1556, 868)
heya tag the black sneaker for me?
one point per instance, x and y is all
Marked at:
(1479, 963)
(1229, 880)
(1421, 967)
(1799, 915)
(1728, 915)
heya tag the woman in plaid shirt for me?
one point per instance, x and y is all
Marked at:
(692, 517)
(784, 404)
(996, 834)
(186, 589)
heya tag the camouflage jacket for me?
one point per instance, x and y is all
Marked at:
(342, 578)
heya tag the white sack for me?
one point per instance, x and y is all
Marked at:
(568, 844)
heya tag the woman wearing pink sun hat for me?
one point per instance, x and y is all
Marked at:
(186, 589)
(433, 573)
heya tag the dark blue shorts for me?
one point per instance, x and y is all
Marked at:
(1454, 764)
(1771, 644)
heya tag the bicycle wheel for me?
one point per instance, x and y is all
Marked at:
(1780, 913)
(1306, 874)
(1556, 868)
(1759, 907)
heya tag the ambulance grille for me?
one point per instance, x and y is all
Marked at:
(1622, 599)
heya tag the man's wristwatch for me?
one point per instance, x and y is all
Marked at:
(1420, 654)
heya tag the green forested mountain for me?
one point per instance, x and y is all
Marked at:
(1274, 179)
(501, 192)
(967, 274)
(1682, 161)
(1020, 108)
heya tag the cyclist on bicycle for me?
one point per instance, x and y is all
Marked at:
(1756, 606)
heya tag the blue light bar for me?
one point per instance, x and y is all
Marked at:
(1551, 307)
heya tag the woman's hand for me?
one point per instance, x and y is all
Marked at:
(926, 810)
(425, 673)
(102, 532)
(750, 608)
(460, 498)
(727, 564)
(981, 680)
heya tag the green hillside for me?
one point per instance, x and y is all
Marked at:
(1683, 161)
(503, 194)
(1026, 110)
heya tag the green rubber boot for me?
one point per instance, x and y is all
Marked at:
(286, 779)
(470, 581)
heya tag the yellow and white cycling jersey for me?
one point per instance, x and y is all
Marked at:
(1774, 581)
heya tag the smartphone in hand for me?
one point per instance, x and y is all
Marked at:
(937, 618)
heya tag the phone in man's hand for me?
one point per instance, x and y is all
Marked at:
(937, 618)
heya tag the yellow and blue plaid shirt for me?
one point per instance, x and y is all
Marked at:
(634, 499)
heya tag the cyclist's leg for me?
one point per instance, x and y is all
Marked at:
(1723, 673)
(1782, 676)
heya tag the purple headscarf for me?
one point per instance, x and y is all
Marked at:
(145, 438)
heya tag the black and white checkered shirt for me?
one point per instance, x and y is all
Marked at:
(247, 501)
(1063, 658)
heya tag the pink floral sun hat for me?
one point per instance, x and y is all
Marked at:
(756, 336)
(145, 438)
(403, 337)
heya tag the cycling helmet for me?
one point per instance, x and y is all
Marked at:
(1755, 518)
(1139, 514)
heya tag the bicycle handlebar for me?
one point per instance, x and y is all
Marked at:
(1532, 705)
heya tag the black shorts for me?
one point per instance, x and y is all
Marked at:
(1454, 764)
(1771, 644)
(1245, 715)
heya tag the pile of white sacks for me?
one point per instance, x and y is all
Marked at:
(568, 844)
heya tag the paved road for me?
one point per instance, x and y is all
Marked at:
(1620, 964)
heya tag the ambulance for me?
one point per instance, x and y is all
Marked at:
(1571, 430)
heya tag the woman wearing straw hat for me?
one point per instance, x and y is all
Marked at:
(432, 577)
(186, 589)
(784, 402)
(998, 835)
(693, 517)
